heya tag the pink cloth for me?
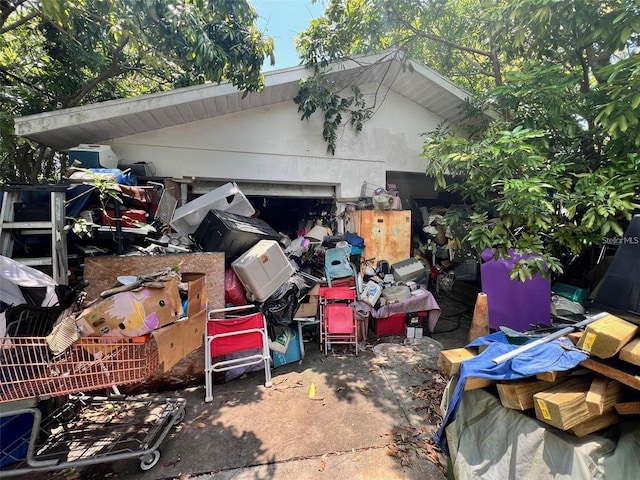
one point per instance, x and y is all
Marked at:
(416, 303)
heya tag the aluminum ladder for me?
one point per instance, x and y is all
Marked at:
(10, 228)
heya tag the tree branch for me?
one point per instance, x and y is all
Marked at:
(114, 70)
(6, 72)
(17, 23)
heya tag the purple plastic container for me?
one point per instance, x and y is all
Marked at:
(513, 303)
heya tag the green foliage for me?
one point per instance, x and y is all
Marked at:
(67, 54)
(108, 193)
(318, 93)
(560, 168)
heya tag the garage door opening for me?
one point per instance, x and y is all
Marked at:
(290, 215)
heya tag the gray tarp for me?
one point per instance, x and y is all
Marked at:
(488, 441)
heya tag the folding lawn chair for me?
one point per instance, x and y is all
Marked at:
(223, 336)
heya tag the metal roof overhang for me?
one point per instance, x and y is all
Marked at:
(100, 122)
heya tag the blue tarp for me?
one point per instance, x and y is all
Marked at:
(557, 355)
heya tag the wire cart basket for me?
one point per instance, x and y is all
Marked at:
(85, 430)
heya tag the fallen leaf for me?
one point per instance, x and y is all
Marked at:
(323, 463)
(201, 425)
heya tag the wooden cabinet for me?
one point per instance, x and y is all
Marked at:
(386, 233)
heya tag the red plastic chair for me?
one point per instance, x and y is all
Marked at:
(343, 291)
(337, 319)
(223, 336)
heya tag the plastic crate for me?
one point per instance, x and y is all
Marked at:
(293, 353)
(392, 325)
(574, 294)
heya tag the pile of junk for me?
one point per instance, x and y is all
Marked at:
(64, 361)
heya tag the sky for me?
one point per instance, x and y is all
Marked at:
(282, 20)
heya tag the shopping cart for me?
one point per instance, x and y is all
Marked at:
(86, 429)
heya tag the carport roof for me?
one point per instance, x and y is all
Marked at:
(104, 121)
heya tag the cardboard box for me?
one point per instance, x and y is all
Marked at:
(310, 307)
(138, 312)
(307, 310)
(179, 339)
(196, 292)
(414, 332)
(133, 313)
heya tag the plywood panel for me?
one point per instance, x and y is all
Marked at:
(102, 272)
(387, 234)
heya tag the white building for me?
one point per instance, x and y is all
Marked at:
(206, 135)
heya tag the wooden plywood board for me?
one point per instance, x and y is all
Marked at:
(624, 373)
(386, 234)
(102, 272)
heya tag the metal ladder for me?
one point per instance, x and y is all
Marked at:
(53, 227)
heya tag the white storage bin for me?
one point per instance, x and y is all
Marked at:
(263, 269)
(227, 198)
(93, 156)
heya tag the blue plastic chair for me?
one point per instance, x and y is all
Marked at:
(337, 265)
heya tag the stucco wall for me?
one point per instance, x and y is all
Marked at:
(272, 145)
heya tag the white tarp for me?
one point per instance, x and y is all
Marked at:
(14, 275)
(16, 279)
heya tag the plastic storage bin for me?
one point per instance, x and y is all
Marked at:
(232, 234)
(407, 270)
(227, 198)
(392, 325)
(575, 294)
(93, 156)
(293, 353)
(263, 269)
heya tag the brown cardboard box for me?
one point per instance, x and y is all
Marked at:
(179, 339)
(137, 312)
(310, 307)
(197, 292)
(307, 310)
(133, 313)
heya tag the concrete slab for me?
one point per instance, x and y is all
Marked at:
(345, 431)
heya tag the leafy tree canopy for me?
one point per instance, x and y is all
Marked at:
(559, 169)
(58, 54)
